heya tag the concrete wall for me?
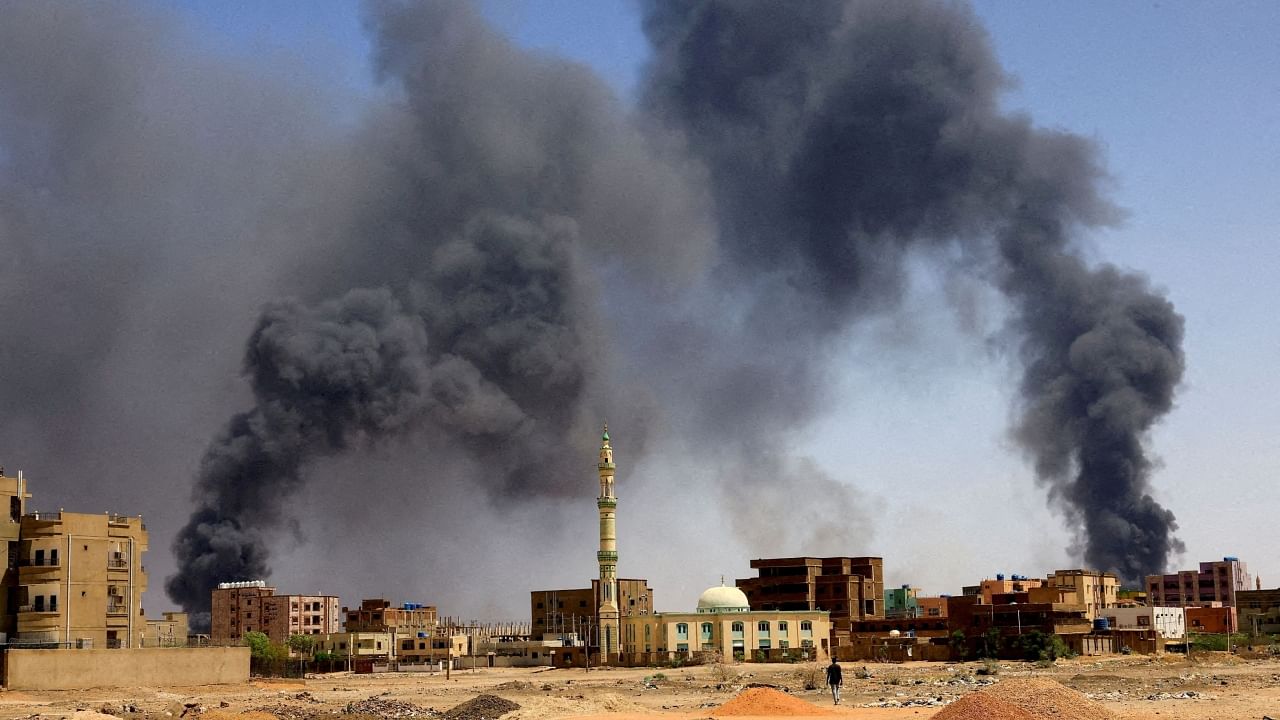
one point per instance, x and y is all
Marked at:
(78, 669)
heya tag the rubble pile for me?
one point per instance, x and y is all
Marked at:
(983, 706)
(381, 707)
(482, 707)
(1048, 699)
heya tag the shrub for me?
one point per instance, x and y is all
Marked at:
(811, 675)
(989, 667)
(761, 656)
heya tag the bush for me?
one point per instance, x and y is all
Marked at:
(959, 645)
(989, 667)
(811, 675)
(761, 656)
(1042, 648)
(722, 673)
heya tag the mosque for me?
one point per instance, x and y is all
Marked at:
(722, 624)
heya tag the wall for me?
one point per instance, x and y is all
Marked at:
(79, 669)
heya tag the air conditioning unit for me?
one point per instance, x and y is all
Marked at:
(84, 643)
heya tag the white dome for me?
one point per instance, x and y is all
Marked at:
(723, 599)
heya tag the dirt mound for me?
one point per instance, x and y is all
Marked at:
(387, 709)
(767, 701)
(481, 707)
(981, 706)
(1045, 698)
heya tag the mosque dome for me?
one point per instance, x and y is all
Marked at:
(723, 599)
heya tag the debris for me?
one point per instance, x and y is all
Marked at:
(481, 707)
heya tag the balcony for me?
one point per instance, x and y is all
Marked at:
(117, 608)
(117, 562)
(39, 609)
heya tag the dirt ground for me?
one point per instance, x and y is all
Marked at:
(1140, 688)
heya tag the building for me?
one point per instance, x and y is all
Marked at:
(1002, 585)
(369, 645)
(576, 611)
(377, 615)
(1216, 618)
(607, 557)
(849, 588)
(725, 625)
(80, 580)
(237, 608)
(907, 602)
(1096, 591)
(1213, 582)
(1259, 611)
(287, 615)
(971, 621)
(171, 631)
(14, 495)
(1169, 623)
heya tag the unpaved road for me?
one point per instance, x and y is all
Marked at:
(1214, 688)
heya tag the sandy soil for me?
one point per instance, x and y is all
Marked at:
(1140, 688)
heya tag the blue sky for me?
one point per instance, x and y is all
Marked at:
(1184, 100)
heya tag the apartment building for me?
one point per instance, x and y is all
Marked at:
(14, 496)
(1169, 623)
(377, 615)
(849, 588)
(1259, 611)
(1094, 590)
(236, 609)
(1213, 582)
(286, 615)
(576, 611)
(80, 579)
(169, 631)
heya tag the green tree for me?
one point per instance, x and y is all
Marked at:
(302, 644)
(259, 644)
(989, 647)
(959, 645)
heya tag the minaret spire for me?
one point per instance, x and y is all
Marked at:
(608, 555)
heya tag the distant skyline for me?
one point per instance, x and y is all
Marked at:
(1184, 102)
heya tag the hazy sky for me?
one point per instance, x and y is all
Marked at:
(1184, 100)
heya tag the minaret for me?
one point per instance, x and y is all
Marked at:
(608, 555)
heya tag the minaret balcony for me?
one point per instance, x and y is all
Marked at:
(607, 466)
(606, 502)
(607, 556)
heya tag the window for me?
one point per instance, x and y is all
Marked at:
(782, 626)
(53, 556)
(647, 633)
(682, 647)
(39, 557)
(582, 603)
(871, 607)
(763, 626)
(706, 631)
(806, 626)
(682, 631)
(737, 627)
(764, 643)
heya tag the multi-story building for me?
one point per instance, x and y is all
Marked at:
(236, 609)
(1169, 623)
(907, 602)
(1259, 611)
(80, 580)
(14, 495)
(171, 631)
(1213, 582)
(377, 615)
(1002, 585)
(287, 615)
(849, 588)
(576, 611)
(1094, 590)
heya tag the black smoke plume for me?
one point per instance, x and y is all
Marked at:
(492, 253)
(841, 137)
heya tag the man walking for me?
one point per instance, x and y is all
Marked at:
(834, 679)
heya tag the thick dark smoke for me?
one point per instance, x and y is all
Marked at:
(843, 136)
(494, 254)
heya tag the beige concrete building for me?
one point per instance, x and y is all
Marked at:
(14, 495)
(170, 631)
(80, 580)
(1096, 591)
(378, 615)
(725, 624)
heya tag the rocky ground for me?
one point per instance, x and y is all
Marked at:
(1213, 687)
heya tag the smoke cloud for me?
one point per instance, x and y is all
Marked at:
(842, 137)
(496, 254)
